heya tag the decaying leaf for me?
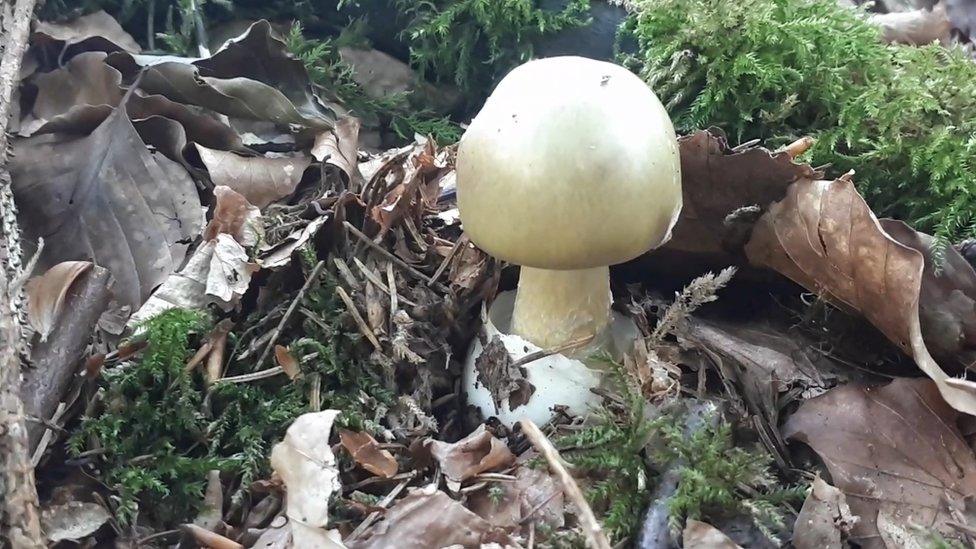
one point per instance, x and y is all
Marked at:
(366, 452)
(824, 520)
(260, 179)
(46, 293)
(476, 453)
(701, 535)
(279, 255)
(105, 198)
(73, 521)
(305, 462)
(497, 372)
(425, 518)
(823, 236)
(234, 215)
(339, 148)
(894, 450)
(287, 361)
(97, 31)
(534, 491)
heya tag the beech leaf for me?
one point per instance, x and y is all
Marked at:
(260, 179)
(366, 451)
(476, 453)
(46, 294)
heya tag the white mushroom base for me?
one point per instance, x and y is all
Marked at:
(558, 379)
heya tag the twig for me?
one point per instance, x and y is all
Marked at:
(151, 25)
(383, 503)
(254, 376)
(447, 260)
(533, 356)
(48, 434)
(358, 317)
(798, 147)
(746, 145)
(379, 249)
(394, 304)
(346, 273)
(594, 532)
(19, 517)
(312, 277)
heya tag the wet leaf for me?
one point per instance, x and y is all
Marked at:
(73, 521)
(824, 520)
(476, 453)
(260, 179)
(823, 236)
(895, 451)
(97, 31)
(106, 198)
(287, 361)
(425, 518)
(46, 294)
(701, 535)
(305, 462)
(366, 452)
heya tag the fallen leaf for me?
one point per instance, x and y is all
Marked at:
(280, 537)
(824, 520)
(498, 372)
(366, 452)
(823, 236)
(73, 521)
(46, 294)
(105, 198)
(305, 462)
(273, 257)
(219, 271)
(895, 451)
(287, 361)
(534, 491)
(234, 215)
(339, 148)
(260, 179)
(701, 535)
(947, 300)
(476, 453)
(425, 518)
(95, 31)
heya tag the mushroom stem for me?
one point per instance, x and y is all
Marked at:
(553, 308)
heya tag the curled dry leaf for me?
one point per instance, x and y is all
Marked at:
(534, 491)
(287, 361)
(260, 179)
(824, 237)
(95, 31)
(46, 294)
(234, 215)
(305, 462)
(825, 519)
(366, 452)
(106, 198)
(894, 450)
(73, 521)
(425, 518)
(701, 535)
(476, 453)
(340, 148)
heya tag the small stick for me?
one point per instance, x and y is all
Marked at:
(253, 376)
(394, 305)
(48, 434)
(447, 260)
(746, 145)
(378, 282)
(385, 502)
(798, 147)
(532, 357)
(594, 532)
(291, 309)
(346, 273)
(358, 317)
(379, 249)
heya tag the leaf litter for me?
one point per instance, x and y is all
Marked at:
(348, 272)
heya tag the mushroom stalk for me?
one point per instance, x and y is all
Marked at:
(554, 307)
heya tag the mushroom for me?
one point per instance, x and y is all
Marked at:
(571, 166)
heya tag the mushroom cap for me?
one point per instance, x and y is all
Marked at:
(571, 164)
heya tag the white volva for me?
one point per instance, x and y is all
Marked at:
(571, 166)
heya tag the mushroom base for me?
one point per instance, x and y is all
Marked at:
(557, 380)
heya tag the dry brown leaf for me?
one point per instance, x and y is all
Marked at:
(701, 535)
(894, 450)
(96, 31)
(340, 148)
(105, 197)
(715, 182)
(287, 361)
(46, 294)
(824, 520)
(425, 518)
(73, 520)
(476, 453)
(823, 236)
(366, 452)
(534, 491)
(234, 215)
(260, 179)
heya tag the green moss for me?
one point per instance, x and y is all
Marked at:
(162, 429)
(903, 117)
